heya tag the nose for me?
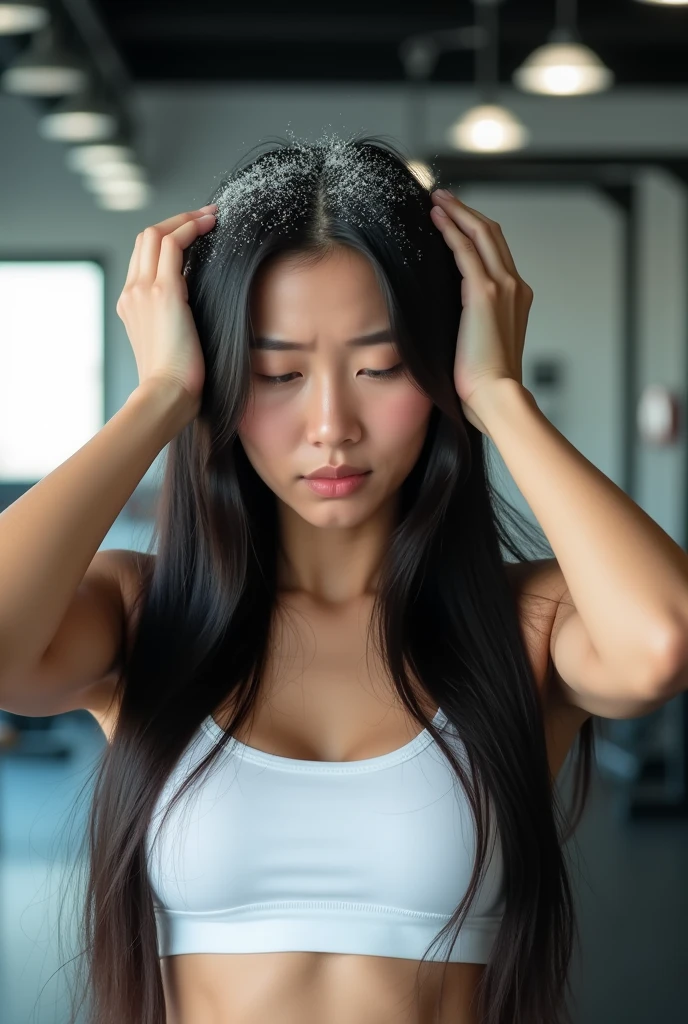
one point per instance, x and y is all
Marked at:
(333, 415)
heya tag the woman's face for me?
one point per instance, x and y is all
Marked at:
(328, 408)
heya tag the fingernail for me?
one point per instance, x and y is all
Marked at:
(211, 207)
(443, 193)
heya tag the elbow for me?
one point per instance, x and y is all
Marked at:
(667, 675)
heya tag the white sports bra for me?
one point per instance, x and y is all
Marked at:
(267, 853)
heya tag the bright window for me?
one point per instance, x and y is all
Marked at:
(51, 363)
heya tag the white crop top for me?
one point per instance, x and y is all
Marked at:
(268, 853)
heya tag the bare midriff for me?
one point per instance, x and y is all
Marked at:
(316, 988)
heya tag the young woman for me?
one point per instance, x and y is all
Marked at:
(335, 710)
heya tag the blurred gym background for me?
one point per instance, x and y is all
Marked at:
(565, 121)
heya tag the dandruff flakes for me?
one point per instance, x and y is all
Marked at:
(311, 180)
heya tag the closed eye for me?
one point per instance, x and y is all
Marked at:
(394, 371)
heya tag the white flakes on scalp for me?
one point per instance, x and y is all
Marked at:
(283, 185)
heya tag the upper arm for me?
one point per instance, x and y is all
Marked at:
(579, 677)
(575, 676)
(79, 667)
(568, 666)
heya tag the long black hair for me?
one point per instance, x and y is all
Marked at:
(444, 609)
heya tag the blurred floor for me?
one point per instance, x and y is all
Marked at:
(632, 900)
(632, 894)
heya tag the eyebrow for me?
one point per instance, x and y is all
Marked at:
(275, 345)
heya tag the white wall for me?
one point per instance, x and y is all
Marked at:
(566, 241)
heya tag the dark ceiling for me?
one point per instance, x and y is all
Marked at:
(358, 40)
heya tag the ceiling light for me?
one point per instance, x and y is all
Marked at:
(563, 67)
(132, 195)
(44, 69)
(488, 129)
(114, 186)
(116, 169)
(22, 16)
(80, 118)
(83, 159)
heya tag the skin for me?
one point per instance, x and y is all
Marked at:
(330, 410)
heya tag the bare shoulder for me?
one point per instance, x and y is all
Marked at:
(539, 588)
(133, 570)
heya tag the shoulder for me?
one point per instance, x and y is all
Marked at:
(539, 589)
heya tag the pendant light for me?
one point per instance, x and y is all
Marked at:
(488, 127)
(86, 117)
(44, 69)
(23, 16)
(86, 158)
(564, 66)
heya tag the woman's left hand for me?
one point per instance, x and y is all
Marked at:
(496, 301)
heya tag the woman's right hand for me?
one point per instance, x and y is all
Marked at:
(155, 310)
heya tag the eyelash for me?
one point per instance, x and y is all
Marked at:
(394, 371)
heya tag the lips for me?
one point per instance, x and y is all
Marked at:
(334, 472)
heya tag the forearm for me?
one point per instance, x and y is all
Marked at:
(49, 536)
(627, 578)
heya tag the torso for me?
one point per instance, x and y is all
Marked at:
(320, 700)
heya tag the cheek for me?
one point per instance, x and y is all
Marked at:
(263, 429)
(401, 417)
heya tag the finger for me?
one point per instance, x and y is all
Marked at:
(481, 234)
(173, 245)
(469, 220)
(170, 224)
(134, 262)
(468, 259)
(152, 240)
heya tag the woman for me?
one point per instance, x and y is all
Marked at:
(338, 717)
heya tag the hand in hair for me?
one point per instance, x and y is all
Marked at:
(496, 300)
(155, 310)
